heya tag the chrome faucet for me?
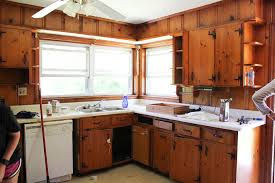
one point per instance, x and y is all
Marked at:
(99, 103)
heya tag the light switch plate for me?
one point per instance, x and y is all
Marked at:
(22, 91)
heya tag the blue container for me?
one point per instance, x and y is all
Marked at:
(125, 102)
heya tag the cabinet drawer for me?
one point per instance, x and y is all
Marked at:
(187, 130)
(163, 125)
(219, 136)
(96, 122)
(122, 120)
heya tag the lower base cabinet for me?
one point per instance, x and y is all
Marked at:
(141, 144)
(185, 160)
(96, 149)
(218, 163)
(161, 150)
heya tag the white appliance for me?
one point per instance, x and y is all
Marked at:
(59, 145)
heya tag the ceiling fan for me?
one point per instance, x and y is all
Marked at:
(87, 7)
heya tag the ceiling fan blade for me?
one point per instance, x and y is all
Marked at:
(106, 10)
(45, 11)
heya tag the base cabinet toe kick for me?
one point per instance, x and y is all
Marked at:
(185, 152)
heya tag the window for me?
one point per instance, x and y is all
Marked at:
(69, 69)
(112, 70)
(158, 71)
(64, 68)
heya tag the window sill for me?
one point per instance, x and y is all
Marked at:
(87, 98)
(160, 98)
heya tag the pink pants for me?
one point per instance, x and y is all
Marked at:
(12, 169)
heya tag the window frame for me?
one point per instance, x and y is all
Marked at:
(90, 70)
(152, 95)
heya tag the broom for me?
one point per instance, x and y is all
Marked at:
(43, 136)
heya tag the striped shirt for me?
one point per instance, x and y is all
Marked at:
(260, 97)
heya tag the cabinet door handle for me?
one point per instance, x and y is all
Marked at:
(25, 60)
(198, 179)
(206, 151)
(239, 78)
(219, 76)
(217, 135)
(199, 146)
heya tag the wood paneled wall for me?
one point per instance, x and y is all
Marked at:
(211, 15)
(19, 14)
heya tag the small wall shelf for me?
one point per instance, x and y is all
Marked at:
(180, 53)
(254, 51)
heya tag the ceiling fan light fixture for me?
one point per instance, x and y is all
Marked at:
(72, 8)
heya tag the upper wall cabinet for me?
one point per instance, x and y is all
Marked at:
(201, 57)
(228, 55)
(15, 49)
(215, 56)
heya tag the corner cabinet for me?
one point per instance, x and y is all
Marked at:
(16, 47)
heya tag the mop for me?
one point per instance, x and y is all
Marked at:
(43, 136)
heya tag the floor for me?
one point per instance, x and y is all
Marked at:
(130, 173)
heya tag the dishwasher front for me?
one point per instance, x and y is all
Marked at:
(59, 151)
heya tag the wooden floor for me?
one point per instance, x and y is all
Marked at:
(130, 173)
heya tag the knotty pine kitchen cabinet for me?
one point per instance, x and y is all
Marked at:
(94, 138)
(162, 142)
(215, 56)
(228, 59)
(16, 46)
(201, 57)
(185, 159)
(141, 144)
(210, 155)
(96, 149)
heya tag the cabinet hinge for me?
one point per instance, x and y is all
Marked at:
(198, 179)
(240, 78)
(232, 155)
(1, 32)
(84, 137)
(213, 34)
(83, 165)
(174, 145)
(240, 31)
(199, 147)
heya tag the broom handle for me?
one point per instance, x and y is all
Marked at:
(43, 137)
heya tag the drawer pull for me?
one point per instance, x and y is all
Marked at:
(163, 136)
(217, 135)
(187, 131)
(97, 123)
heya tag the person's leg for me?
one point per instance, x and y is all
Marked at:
(13, 179)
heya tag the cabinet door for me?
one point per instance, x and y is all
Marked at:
(15, 51)
(228, 55)
(201, 57)
(218, 163)
(141, 145)
(96, 149)
(161, 151)
(185, 160)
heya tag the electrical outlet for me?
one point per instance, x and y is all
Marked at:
(22, 91)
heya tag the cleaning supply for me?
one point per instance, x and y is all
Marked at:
(125, 101)
(49, 109)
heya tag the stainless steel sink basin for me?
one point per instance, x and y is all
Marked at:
(89, 109)
(112, 109)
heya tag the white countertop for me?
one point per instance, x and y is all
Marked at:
(141, 109)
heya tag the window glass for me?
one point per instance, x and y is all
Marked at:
(159, 71)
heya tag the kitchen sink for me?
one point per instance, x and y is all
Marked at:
(112, 108)
(90, 109)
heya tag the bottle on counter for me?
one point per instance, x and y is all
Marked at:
(250, 77)
(125, 101)
(49, 109)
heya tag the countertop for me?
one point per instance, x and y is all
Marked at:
(141, 109)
